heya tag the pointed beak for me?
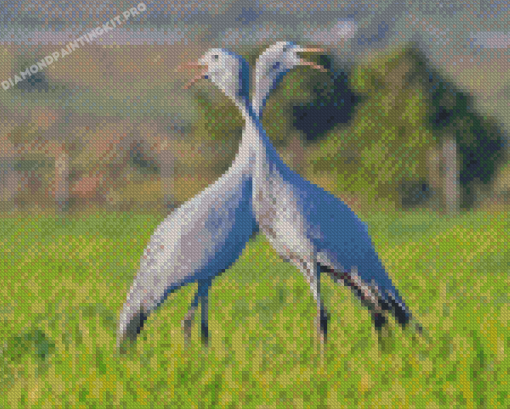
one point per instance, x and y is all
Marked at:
(193, 65)
(311, 64)
(313, 50)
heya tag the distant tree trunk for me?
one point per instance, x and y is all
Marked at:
(444, 176)
(434, 167)
(62, 170)
(451, 188)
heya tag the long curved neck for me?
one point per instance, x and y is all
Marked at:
(256, 140)
(259, 102)
(243, 103)
(263, 87)
(255, 143)
(249, 141)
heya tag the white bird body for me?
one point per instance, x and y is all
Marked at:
(196, 242)
(306, 225)
(218, 221)
(300, 218)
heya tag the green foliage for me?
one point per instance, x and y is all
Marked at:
(34, 162)
(300, 87)
(388, 138)
(406, 110)
(32, 342)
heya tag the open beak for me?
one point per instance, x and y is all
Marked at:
(312, 50)
(193, 65)
(309, 63)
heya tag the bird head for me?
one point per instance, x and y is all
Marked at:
(229, 71)
(274, 63)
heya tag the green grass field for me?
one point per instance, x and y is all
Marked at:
(65, 281)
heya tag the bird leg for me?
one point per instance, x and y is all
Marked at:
(202, 296)
(311, 272)
(203, 291)
(204, 301)
(323, 323)
(188, 319)
(322, 312)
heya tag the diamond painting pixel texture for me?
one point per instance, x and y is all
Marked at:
(401, 116)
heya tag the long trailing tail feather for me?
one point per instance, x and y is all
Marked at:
(361, 290)
(405, 318)
(372, 298)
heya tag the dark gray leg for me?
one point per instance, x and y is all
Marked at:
(203, 291)
(311, 272)
(322, 312)
(201, 296)
(187, 322)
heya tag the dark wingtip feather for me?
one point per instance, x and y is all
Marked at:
(379, 321)
(404, 318)
(400, 312)
(384, 302)
(132, 330)
(136, 324)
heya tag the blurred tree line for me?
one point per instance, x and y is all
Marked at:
(390, 133)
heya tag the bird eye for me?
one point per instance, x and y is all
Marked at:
(215, 56)
(285, 49)
(276, 65)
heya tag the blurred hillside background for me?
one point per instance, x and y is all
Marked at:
(414, 111)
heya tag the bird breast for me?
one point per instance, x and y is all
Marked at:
(280, 217)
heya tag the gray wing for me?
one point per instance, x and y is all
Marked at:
(198, 240)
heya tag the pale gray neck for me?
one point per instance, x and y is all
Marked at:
(258, 102)
(243, 103)
(264, 85)
(259, 98)
(255, 142)
(265, 150)
(249, 139)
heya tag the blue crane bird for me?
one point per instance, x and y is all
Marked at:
(309, 227)
(199, 240)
